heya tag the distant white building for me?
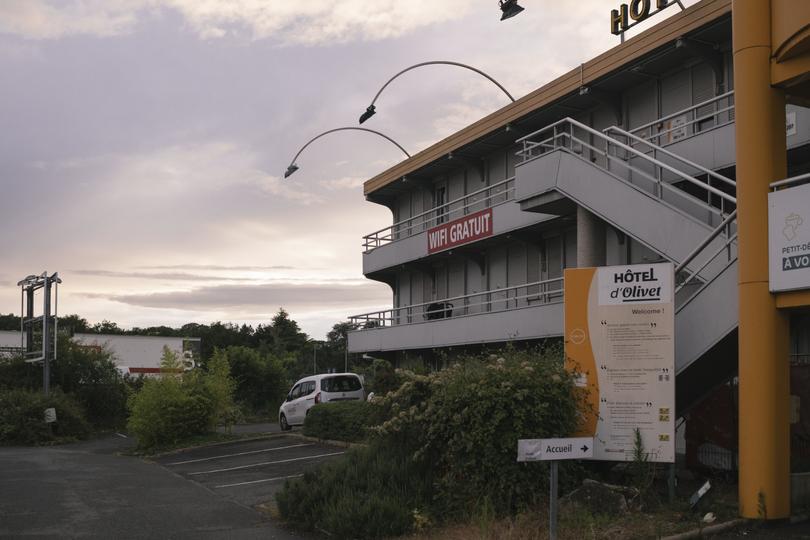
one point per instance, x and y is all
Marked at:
(140, 355)
(136, 355)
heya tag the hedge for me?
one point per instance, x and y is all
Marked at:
(22, 417)
(341, 420)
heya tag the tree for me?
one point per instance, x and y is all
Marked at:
(73, 324)
(9, 322)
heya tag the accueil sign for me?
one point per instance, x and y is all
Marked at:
(632, 13)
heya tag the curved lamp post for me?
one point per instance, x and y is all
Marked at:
(293, 167)
(370, 110)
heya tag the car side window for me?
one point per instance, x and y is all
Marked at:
(310, 387)
(295, 392)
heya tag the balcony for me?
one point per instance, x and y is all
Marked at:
(530, 311)
(407, 240)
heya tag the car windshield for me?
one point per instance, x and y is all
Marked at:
(343, 383)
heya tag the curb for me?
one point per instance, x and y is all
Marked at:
(708, 531)
(330, 442)
(211, 445)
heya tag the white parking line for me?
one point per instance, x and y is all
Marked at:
(239, 454)
(265, 463)
(260, 481)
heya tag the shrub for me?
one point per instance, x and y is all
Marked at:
(87, 373)
(341, 420)
(165, 411)
(91, 376)
(452, 436)
(466, 420)
(176, 407)
(22, 417)
(261, 381)
(370, 493)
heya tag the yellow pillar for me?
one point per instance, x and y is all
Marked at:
(764, 332)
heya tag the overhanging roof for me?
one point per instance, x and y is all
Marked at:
(667, 31)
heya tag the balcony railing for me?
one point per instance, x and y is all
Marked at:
(715, 112)
(478, 200)
(549, 291)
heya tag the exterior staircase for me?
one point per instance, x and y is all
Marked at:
(679, 209)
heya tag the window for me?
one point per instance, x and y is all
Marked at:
(342, 383)
(439, 199)
(295, 392)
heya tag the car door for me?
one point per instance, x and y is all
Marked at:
(300, 401)
(307, 398)
(292, 403)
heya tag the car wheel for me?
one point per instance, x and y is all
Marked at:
(282, 421)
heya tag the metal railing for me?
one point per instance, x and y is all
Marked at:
(792, 181)
(657, 153)
(519, 296)
(686, 276)
(715, 112)
(478, 200)
(657, 177)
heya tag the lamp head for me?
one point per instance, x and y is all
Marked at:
(291, 169)
(370, 110)
(510, 8)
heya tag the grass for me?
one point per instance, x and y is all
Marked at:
(665, 520)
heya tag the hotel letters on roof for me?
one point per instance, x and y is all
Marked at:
(460, 231)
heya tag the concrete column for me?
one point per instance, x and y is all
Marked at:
(590, 239)
(764, 488)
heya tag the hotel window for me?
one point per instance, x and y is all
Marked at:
(439, 200)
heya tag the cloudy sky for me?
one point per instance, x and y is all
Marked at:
(143, 142)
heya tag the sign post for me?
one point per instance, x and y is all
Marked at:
(554, 450)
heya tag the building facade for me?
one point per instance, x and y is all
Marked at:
(629, 158)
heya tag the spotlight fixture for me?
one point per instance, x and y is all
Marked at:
(370, 110)
(291, 169)
(510, 8)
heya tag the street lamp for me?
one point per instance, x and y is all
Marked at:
(293, 167)
(371, 109)
(510, 8)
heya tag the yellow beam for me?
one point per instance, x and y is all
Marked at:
(764, 488)
(793, 299)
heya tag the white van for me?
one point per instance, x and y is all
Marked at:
(316, 389)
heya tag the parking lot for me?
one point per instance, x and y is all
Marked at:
(249, 472)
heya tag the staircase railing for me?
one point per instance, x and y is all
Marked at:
(614, 157)
(723, 183)
(685, 276)
(715, 112)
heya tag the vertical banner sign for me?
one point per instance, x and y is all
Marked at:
(789, 238)
(619, 338)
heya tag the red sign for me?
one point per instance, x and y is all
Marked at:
(460, 231)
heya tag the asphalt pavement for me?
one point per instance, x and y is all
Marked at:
(89, 490)
(250, 472)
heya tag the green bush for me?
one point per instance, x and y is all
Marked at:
(22, 417)
(173, 408)
(261, 381)
(87, 373)
(370, 493)
(166, 411)
(341, 421)
(452, 436)
(466, 420)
